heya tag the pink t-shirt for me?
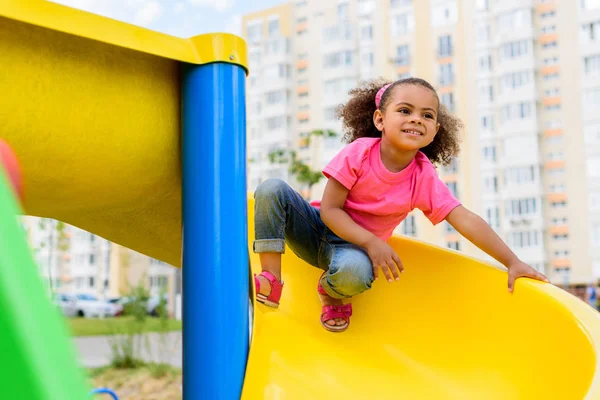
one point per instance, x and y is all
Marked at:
(378, 200)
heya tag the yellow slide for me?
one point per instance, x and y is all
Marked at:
(96, 128)
(448, 329)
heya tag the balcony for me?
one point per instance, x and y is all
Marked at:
(503, 6)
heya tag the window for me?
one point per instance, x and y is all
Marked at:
(366, 33)
(547, 14)
(513, 20)
(447, 99)
(484, 62)
(487, 122)
(557, 188)
(482, 5)
(490, 183)
(402, 24)
(445, 46)
(550, 61)
(520, 175)
(342, 11)
(254, 31)
(492, 216)
(453, 188)
(591, 65)
(516, 49)
(91, 281)
(275, 123)
(329, 114)
(550, 45)
(92, 259)
(410, 228)
(402, 55)
(552, 92)
(277, 97)
(273, 27)
(515, 80)
(337, 59)
(548, 29)
(590, 31)
(560, 237)
(525, 239)
(487, 93)
(590, 4)
(561, 253)
(400, 3)
(521, 207)
(446, 74)
(454, 245)
(483, 32)
(516, 111)
(367, 59)
(552, 107)
(558, 204)
(488, 153)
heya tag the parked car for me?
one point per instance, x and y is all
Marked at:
(90, 306)
(67, 304)
(86, 305)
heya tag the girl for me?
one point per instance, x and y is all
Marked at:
(396, 132)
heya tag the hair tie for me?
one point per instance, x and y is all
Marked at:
(380, 93)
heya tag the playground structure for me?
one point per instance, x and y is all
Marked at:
(140, 137)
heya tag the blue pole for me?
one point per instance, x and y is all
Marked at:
(215, 247)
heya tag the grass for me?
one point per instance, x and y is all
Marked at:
(110, 326)
(150, 382)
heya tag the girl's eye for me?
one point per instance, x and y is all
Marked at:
(405, 110)
(428, 115)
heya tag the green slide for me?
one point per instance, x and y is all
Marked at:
(38, 360)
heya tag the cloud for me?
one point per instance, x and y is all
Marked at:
(147, 14)
(219, 5)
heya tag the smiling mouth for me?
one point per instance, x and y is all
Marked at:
(411, 132)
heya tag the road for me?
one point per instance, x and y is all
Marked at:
(96, 351)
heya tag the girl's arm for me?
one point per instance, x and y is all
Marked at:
(338, 220)
(478, 232)
(333, 215)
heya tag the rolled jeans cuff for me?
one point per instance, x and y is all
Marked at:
(269, 246)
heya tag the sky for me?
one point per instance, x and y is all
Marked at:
(181, 18)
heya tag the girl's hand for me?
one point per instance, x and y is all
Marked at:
(384, 257)
(520, 269)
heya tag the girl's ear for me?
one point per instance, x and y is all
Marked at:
(437, 128)
(378, 120)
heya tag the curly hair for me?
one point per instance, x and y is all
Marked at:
(357, 118)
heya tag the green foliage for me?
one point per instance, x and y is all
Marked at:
(126, 344)
(298, 168)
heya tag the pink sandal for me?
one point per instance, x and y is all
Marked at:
(272, 300)
(332, 312)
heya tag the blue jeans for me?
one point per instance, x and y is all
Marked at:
(282, 216)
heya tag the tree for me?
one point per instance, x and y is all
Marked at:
(62, 242)
(298, 168)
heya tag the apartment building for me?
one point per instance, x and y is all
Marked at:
(71, 260)
(523, 75)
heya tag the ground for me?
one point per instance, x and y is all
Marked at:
(110, 326)
(141, 383)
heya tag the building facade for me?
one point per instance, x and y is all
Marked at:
(71, 260)
(523, 76)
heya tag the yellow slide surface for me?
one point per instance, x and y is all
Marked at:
(448, 329)
(91, 107)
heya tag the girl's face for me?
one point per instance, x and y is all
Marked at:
(409, 120)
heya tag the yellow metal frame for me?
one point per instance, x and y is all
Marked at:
(201, 49)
